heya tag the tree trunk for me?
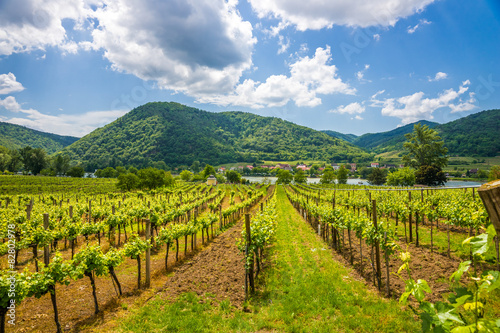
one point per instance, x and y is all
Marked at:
(113, 275)
(92, 283)
(52, 291)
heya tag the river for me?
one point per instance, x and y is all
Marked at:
(450, 183)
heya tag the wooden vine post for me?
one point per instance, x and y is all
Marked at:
(377, 245)
(148, 254)
(490, 195)
(249, 269)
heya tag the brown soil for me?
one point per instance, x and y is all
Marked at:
(215, 267)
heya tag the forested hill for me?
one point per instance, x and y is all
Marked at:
(338, 135)
(179, 135)
(15, 137)
(475, 135)
(388, 141)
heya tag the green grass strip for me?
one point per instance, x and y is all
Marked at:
(305, 290)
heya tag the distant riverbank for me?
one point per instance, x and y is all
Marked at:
(357, 181)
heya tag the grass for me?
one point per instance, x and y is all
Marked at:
(303, 290)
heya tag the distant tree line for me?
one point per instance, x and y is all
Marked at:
(36, 161)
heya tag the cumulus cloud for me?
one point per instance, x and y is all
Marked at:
(319, 14)
(62, 124)
(9, 84)
(193, 46)
(34, 24)
(438, 76)
(415, 107)
(361, 74)
(411, 29)
(353, 108)
(308, 78)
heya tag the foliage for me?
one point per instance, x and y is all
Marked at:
(430, 175)
(284, 177)
(128, 182)
(135, 246)
(377, 176)
(401, 177)
(424, 147)
(164, 132)
(328, 177)
(300, 177)
(233, 176)
(494, 173)
(34, 159)
(208, 170)
(76, 172)
(15, 137)
(186, 175)
(464, 311)
(342, 174)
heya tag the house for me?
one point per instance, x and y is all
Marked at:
(302, 167)
(335, 166)
(353, 167)
(473, 171)
(374, 165)
(388, 166)
(264, 166)
(284, 166)
(250, 167)
(221, 169)
(211, 180)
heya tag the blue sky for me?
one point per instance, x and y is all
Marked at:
(352, 66)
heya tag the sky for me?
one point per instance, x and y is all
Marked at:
(352, 66)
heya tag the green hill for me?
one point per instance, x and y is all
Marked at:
(388, 141)
(14, 137)
(178, 135)
(345, 137)
(474, 135)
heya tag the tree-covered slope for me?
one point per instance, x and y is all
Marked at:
(177, 135)
(390, 140)
(475, 135)
(14, 137)
(345, 137)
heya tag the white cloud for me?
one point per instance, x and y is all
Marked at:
(353, 108)
(10, 104)
(9, 84)
(35, 24)
(415, 107)
(438, 76)
(308, 78)
(198, 47)
(361, 74)
(284, 44)
(357, 117)
(411, 30)
(319, 14)
(376, 37)
(62, 124)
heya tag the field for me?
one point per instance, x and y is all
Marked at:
(315, 266)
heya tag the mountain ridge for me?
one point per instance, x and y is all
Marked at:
(13, 136)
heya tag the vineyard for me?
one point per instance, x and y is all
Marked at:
(75, 254)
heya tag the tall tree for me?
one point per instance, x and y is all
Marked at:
(342, 175)
(34, 159)
(426, 152)
(300, 177)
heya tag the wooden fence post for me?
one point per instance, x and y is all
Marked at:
(249, 253)
(46, 254)
(148, 254)
(377, 247)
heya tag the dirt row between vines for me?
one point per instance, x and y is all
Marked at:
(435, 267)
(75, 302)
